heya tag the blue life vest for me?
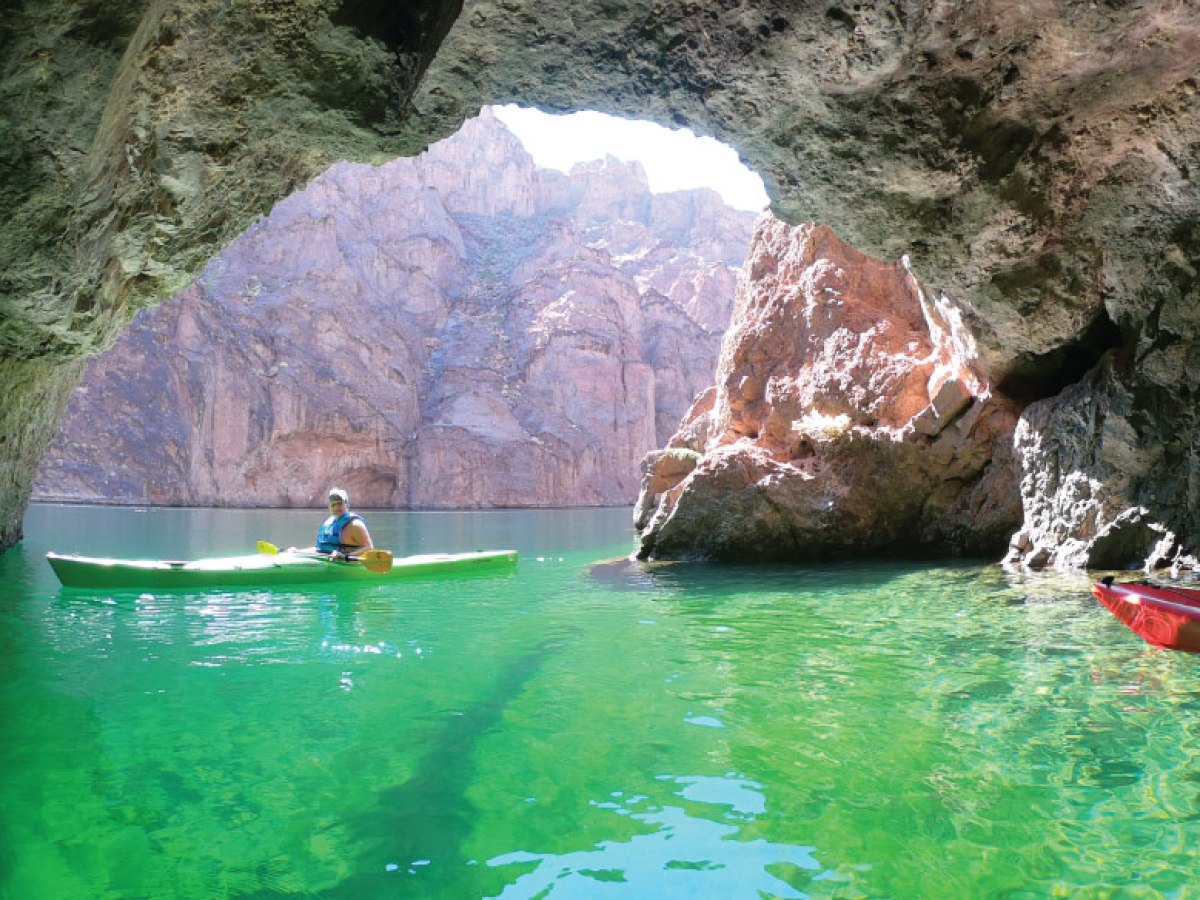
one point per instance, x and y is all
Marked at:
(329, 535)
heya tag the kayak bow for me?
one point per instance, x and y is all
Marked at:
(1163, 616)
(262, 570)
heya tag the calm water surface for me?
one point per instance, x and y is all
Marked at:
(579, 731)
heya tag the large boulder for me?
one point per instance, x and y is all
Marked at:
(1103, 485)
(849, 417)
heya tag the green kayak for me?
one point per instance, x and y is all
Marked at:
(262, 570)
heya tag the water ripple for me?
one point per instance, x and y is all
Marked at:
(682, 854)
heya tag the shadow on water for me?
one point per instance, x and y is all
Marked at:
(696, 580)
(420, 827)
(275, 881)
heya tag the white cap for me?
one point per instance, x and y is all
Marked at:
(339, 494)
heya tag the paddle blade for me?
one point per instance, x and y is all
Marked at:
(377, 560)
(268, 549)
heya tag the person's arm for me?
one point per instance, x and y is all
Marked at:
(355, 535)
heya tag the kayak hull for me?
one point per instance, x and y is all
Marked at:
(1167, 617)
(262, 570)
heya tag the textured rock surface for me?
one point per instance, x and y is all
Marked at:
(1036, 160)
(848, 417)
(1100, 492)
(460, 329)
(138, 139)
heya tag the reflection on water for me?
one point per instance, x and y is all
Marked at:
(585, 726)
(693, 852)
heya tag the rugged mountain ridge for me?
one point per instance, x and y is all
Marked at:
(460, 329)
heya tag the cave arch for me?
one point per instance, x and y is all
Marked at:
(958, 134)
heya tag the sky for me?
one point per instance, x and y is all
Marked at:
(674, 160)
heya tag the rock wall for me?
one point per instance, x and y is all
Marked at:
(1103, 484)
(138, 139)
(849, 417)
(462, 329)
(1035, 160)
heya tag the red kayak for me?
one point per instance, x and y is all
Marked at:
(1163, 616)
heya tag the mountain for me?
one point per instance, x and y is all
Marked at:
(458, 329)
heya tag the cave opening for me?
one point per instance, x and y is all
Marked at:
(514, 287)
(673, 159)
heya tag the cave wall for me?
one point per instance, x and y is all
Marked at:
(137, 140)
(1035, 159)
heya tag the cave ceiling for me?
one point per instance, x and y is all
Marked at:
(1026, 156)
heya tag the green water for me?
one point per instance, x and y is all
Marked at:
(571, 731)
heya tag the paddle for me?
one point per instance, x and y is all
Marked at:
(375, 560)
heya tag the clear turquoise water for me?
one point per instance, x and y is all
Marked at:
(574, 731)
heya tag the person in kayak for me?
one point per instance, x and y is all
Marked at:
(344, 533)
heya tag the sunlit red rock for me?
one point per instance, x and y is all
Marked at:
(848, 417)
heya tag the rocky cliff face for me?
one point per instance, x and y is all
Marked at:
(849, 417)
(1035, 160)
(460, 329)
